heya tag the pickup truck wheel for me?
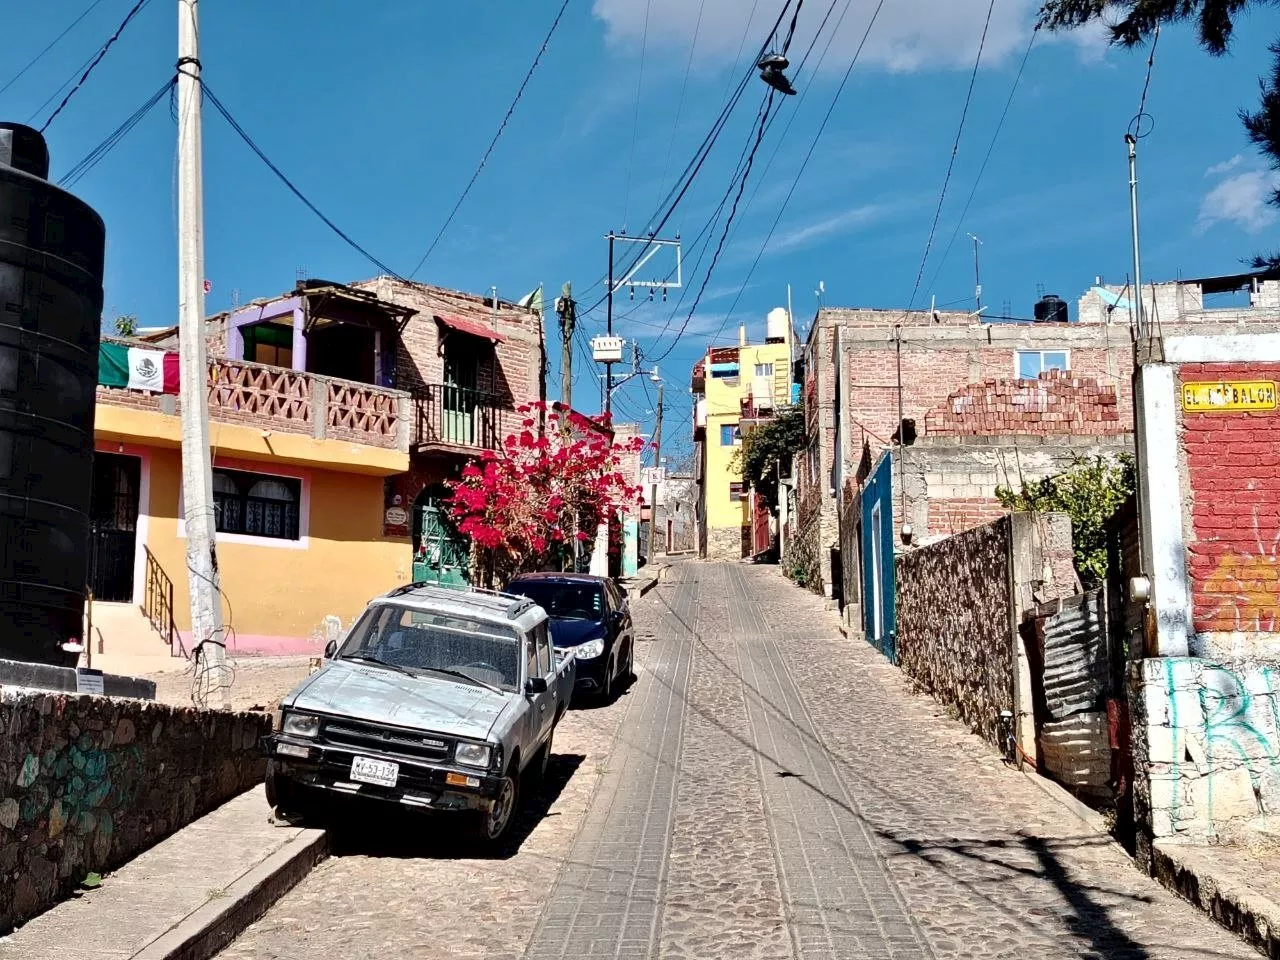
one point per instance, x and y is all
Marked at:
(284, 795)
(495, 821)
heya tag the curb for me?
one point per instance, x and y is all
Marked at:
(1251, 916)
(1055, 791)
(209, 928)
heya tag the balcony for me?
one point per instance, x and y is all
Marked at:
(449, 418)
(276, 400)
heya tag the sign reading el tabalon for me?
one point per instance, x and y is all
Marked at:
(1229, 396)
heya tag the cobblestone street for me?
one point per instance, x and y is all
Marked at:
(766, 789)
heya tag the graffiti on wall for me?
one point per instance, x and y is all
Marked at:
(1214, 739)
(1241, 591)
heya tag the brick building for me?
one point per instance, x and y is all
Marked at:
(982, 402)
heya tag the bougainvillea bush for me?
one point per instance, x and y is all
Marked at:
(526, 505)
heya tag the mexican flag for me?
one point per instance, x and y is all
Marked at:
(137, 368)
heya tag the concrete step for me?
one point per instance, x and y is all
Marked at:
(124, 642)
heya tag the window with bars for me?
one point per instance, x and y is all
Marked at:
(737, 491)
(257, 505)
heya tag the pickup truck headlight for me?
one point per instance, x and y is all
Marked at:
(473, 754)
(300, 725)
(591, 649)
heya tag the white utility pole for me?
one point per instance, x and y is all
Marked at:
(207, 632)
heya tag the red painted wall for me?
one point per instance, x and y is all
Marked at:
(1233, 462)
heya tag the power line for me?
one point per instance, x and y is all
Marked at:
(715, 259)
(52, 43)
(635, 123)
(955, 150)
(494, 142)
(813, 146)
(684, 86)
(678, 191)
(987, 159)
(249, 141)
(93, 63)
(109, 143)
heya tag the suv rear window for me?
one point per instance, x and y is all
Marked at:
(563, 601)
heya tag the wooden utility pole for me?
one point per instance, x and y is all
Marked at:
(657, 464)
(568, 312)
(208, 635)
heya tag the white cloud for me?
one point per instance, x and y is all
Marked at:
(828, 226)
(1226, 166)
(909, 35)
(1241, 198)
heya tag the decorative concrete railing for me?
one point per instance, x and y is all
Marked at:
(291, 401)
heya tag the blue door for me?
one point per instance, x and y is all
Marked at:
(879, 611)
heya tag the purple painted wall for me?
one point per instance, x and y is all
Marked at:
(273, 311)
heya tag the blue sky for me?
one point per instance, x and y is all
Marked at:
(380, 111)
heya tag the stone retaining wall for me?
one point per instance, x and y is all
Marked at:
(87, 783)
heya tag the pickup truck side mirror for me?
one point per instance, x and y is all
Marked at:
(535, 685)
(330, 649)
(617, 617)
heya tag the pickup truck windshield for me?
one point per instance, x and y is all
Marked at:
(563, 601)
(416, 641)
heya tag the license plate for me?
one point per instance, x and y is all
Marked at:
(383, 773)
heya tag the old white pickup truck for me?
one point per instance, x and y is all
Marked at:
(437, 698)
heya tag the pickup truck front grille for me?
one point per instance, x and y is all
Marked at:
(368, 736)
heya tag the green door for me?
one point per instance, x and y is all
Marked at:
(461, 378)
(443, 556)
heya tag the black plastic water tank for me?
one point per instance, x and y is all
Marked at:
(51, 257)
(1051, 308)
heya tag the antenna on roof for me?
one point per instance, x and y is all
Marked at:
(301, 273)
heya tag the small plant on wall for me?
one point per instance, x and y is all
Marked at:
(1090, 492)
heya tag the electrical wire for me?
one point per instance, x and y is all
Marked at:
(249, 141)
(813, 146)
(667, 207)
(955, 150)
(494, 142)
(715, 259)
(52, 43)
(987, 159)
(1135, 125)
(684, 86)
(93, 63)
(635, 123)
(109, 143)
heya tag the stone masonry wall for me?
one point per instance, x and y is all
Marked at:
(86, 783)
(954, 630)
(724, 543)
(1208, 737)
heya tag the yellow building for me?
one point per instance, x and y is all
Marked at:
(298, 489)
(735, 388)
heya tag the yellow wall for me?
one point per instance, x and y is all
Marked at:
(724, 405)
(284, 592)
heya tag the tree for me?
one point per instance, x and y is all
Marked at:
(1090, 492)
(525, 506)
(776, 441)
(1216, 26)
(126, 325)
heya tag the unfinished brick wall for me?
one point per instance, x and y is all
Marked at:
(1233, 473)
(1056, 403)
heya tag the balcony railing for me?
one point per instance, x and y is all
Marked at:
(449, 416)
(291, 401)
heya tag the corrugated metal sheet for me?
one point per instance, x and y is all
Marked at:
(1077, 751)
(1076, 666)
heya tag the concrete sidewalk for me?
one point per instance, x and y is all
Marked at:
(185, 897)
